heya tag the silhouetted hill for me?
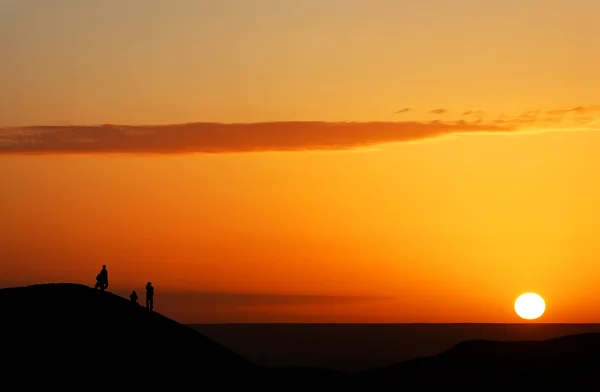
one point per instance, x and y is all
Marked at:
(573, 359)
(72, 335)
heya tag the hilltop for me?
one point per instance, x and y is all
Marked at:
(66, 334)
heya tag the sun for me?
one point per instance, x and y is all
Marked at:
(530, 306)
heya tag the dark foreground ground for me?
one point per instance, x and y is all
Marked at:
(67, 337)
(356, 347)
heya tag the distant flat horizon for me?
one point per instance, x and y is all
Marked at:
(390, 323)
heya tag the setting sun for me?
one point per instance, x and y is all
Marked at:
(530, 306)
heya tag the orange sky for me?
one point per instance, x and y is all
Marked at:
(261, 212)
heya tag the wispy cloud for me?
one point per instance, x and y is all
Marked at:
(226, 138)
(473, 112)
(222, 307)
(403, 110)
(576, 109)
(318, 136)
(438, 111)
(252, 299)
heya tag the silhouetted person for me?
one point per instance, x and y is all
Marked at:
(134, 297)
(104, 275)
(149, 296)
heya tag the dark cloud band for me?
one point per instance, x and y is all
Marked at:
(225, 138)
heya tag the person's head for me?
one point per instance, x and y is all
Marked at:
(104, 267)
(149, 284)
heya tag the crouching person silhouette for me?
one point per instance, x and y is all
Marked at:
(133, 297)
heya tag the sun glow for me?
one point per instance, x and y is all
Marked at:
(530, 306)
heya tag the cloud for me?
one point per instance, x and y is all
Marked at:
(221, 299)
(317, 136)
(576, 109)
(438, 111)
(584, 120)
(473, 112)
(224, 307)
(528, 117)
(226, 138)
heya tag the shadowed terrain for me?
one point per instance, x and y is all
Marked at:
(357, 347)
(573, 359)
(72, 336)
(68, 334)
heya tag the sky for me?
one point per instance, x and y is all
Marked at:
(303, 160)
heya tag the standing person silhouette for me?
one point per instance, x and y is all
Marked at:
(149, 296)
(104, 275)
